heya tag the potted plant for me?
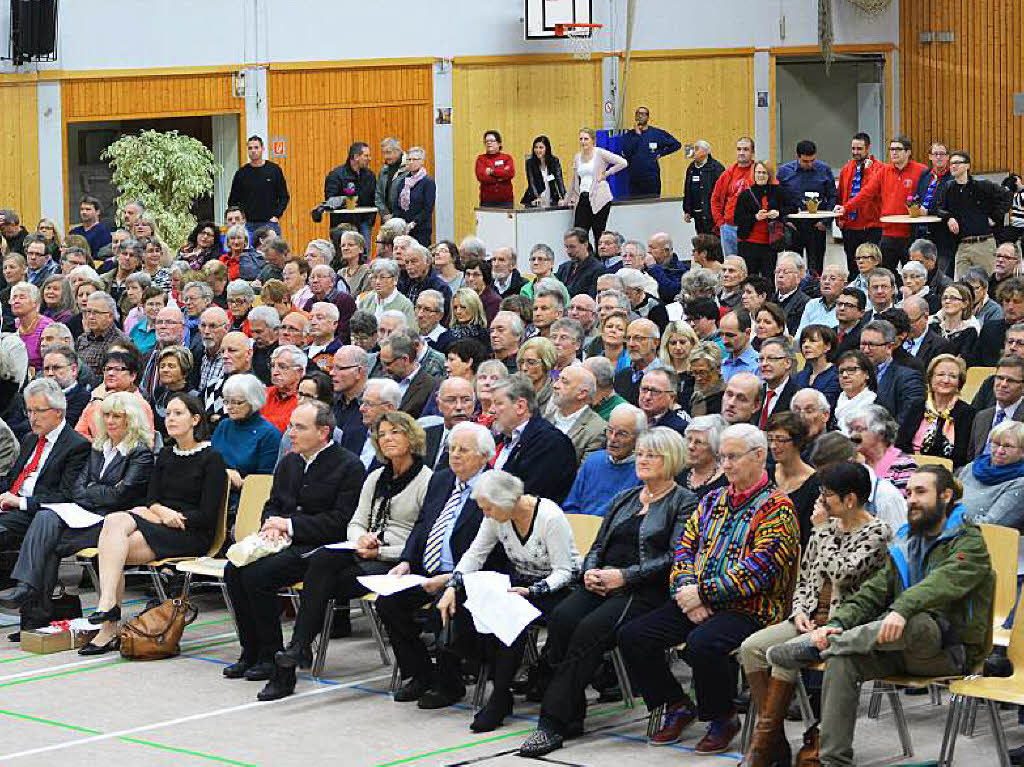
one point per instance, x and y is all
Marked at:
(914, 206)
(350, 194)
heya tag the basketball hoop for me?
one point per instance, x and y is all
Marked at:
(580, 37)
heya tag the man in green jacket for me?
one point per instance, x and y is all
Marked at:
(928, 612)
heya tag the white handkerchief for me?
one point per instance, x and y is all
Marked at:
(73, 514)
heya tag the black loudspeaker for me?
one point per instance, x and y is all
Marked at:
(33, 30)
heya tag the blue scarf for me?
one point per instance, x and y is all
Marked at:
(988, 474)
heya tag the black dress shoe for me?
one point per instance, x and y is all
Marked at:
(90, 648)
(13, 599)
(260, 672)
(14, 637)
(113, 615)
(237, 669)
(281, 685)
(491, 716)
(411, 690)
(435, 698)
(294, 655)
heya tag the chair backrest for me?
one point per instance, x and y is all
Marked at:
(1003, 544)
(584, 530)
(924, 460)
(975, 378)
(221, 532)
(255, 492)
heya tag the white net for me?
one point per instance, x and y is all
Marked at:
(581, 41)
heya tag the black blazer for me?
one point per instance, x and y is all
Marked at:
(319, 500)
(418, 393)
(420, 210)
(535, 182)
(989, 348)
(748, 203)
(77, 398)
(963, 422)
(515, 284)
(434, 434)
(439, 490)
(63, 465)
(793, 306)
(901, 392)
(785, 398)
(932, 345)
(625, 387)
(851, 339)
(124, 483)
(544, 459)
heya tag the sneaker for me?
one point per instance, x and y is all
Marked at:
(677, 719)
(719, 736)
(794, 654)
(540, 743)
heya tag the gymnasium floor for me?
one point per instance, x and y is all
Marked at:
(67, 709)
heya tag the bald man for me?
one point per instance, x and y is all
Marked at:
(236, 357)
(571, 413)
(642, 344)
(741, 399)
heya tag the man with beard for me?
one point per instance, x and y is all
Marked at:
(928, 612)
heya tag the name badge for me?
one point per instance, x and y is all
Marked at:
(653, 145)
(696, 179)
(499, 162)
(548, 178)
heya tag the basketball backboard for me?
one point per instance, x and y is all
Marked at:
(542, 15)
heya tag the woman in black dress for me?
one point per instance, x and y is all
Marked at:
(787, 435)
(186, 492)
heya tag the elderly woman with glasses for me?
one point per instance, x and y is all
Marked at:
(956, 321)
(708, 385)
(538, 543)
(915, 282)
(941, 425)
(993, 482)
(416, 196)
(384, 293)
(703, 472)
(240, 301)
(858, 382)
(536, 358)
(625, 575)
(246, 440)
(873, 430)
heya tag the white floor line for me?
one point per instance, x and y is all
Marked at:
(185, 645)
(186, 719)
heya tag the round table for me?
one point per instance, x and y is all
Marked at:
(806, 215)
(353, 211)
(905, 218)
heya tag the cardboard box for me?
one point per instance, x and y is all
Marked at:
(44, 643)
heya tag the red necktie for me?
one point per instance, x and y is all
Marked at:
(30, 467)
(768, 396)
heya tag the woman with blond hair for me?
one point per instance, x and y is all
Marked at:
(536, 358)
(677, 341)
(589, 193)
(469, 318)
(54, 241)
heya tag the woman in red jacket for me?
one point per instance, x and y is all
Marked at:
(495, 171)
(756, 207)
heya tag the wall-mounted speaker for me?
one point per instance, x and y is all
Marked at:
(33, 30)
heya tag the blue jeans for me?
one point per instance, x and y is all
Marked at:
(730, 244)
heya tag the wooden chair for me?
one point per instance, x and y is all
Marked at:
(932, 460)
(584, 530)
(1003, 544)
(975, 378)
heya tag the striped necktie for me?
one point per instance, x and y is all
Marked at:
(435, 541)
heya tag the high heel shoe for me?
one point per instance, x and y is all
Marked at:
(90, 648)
(113, 615)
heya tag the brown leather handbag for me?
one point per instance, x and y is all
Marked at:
(156, 633)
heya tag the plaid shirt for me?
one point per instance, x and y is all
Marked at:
(93, 349)
(210, 371)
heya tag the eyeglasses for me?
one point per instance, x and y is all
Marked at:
(650, 390)
(848, 304)
(771, 359)
(849, 371)
(38, 410)
(951, 299)
(776, 439)
(235, 402)
(340, 368)
(1004, 445)
(620, 433)
(873, 344)
(531, 362)
(730, 457)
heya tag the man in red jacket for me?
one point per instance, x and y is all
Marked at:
(730, 184)
(863, 226)
(890, 187)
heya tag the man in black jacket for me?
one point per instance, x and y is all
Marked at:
(355, 173)
(992, 337)
(790, 269)
(579, 274)
(507, 281)
(314, 494)
(972, 208)
(699, 182)
(259, 189)
(530, 447)
(900, 389)
(921, 342)
(447, 525)
(850, 308)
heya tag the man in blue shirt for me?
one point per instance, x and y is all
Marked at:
(606, 473)
(741, 357)
(803, 177)
(642, 147)
(96, 233)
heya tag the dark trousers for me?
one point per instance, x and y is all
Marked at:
(399, 613)
(38, 560)
(760, 258)
(853, 239)
(331, 575)
(15, 523)
(810, 240)
(253, 590)
(586, 219)
(894, 252)
(704, 223)
(644, 640)
(645, 186)
(580, 630)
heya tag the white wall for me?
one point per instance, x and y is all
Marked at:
(135, 34)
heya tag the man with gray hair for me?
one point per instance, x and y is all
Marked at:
(583, 309)
(379, 396)
(923, 342)
(814, 410)
(901, 389)
(323, 330)
(349, 372)
(506, 336)
(507, 281)
(607, 472)
(609, 250)
(420, 275)
(698, 185)
(664, 266)
(100, 330)
(549, 304)
(927, 254)
(606, 399)
(790, 270)
(427, 357)
(389, 181)
(430, 312)
(323, 284)
(472, 247)
(398, 358)
(287, 366)
(822, 311)
(567, 337)
(571, 413)
(264, 322)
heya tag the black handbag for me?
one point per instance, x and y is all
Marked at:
(63, 607)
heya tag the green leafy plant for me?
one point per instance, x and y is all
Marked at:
(167, 172)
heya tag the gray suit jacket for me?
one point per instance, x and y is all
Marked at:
(983, 425)
(587, 434)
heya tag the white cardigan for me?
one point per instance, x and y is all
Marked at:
(405, 509)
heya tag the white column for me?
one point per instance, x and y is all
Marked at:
(257, 114)
(225, 153)
(763, 114)
(51, 152)
(609, 91)
(444, 156)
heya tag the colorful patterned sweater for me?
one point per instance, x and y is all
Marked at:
(742, 551)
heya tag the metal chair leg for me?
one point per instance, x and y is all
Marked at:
(228, 604)
(90, 567)
(377, 629)
(623, 676)
(747, 733)
(901, 720)
(952, 729)
(875, 702)
(1000, 735)
(320, 659)
(158, 583)
(935, 691)
(971, 718)
(187, 586)
(804, 701)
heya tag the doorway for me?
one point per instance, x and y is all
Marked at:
(828, 108)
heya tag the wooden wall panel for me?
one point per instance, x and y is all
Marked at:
(961, 93)
(695, 98)
(521, 101)
(321, 112)
(19, 163)
(157, 96)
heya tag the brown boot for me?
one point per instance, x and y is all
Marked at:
(769, 745)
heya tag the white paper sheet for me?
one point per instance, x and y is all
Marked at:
(73, 514)
(494, 608)
(343, 546)
(386, 585)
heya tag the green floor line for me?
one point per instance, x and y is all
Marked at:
(52, 723)
(211, 623)
(57, 674)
